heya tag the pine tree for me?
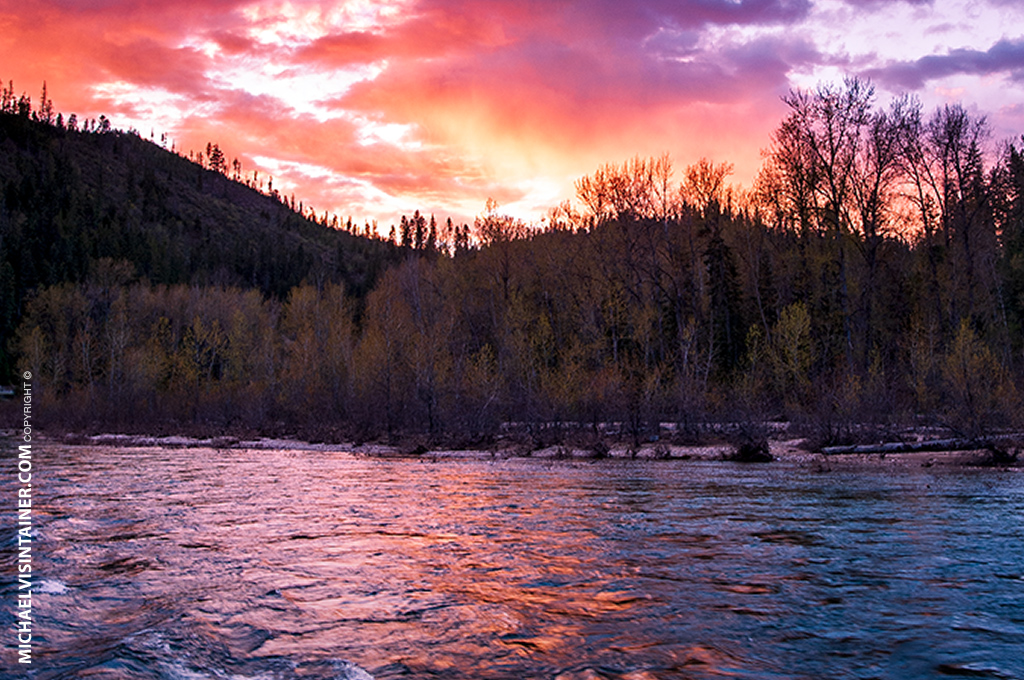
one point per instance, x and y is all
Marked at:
(431, 244)
(45, 107)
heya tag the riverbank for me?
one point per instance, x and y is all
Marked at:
(789, 450)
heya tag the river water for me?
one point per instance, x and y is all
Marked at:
(240, 564)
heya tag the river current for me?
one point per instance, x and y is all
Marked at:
(250, 564)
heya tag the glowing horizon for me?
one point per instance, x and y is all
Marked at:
(370, 110)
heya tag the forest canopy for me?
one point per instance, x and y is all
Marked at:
(872, 276)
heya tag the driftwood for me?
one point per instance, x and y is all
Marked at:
(959, 444)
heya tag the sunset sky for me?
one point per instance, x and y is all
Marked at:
(373, 109)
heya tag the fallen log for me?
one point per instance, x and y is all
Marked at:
(958, 444)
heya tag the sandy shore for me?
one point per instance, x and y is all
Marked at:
(790, 451)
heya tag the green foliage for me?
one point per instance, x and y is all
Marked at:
(790, 355)
(979, 394)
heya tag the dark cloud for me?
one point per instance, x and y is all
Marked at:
(1005, 56)
(674, 44)
(769, 60)
(152, 64)
(696, 13)
(341, 49)
(233, 43)
(125, 7)
(872, 4)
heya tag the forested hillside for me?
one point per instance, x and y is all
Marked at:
(91, 205)
(873, 278)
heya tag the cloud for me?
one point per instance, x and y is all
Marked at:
(486, 96)
(1004, 57)
(746, 12)
(434, 103)
(872, 4)
(565, 88)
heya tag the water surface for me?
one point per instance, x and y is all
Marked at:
(278, 564)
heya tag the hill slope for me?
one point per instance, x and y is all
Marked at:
(76, 206)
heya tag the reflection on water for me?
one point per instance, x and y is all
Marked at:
(282, 564)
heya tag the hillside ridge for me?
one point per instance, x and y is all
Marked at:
(78, 206)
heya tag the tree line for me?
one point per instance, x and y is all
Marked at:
(873, 277)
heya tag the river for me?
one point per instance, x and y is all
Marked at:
(197, 563)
